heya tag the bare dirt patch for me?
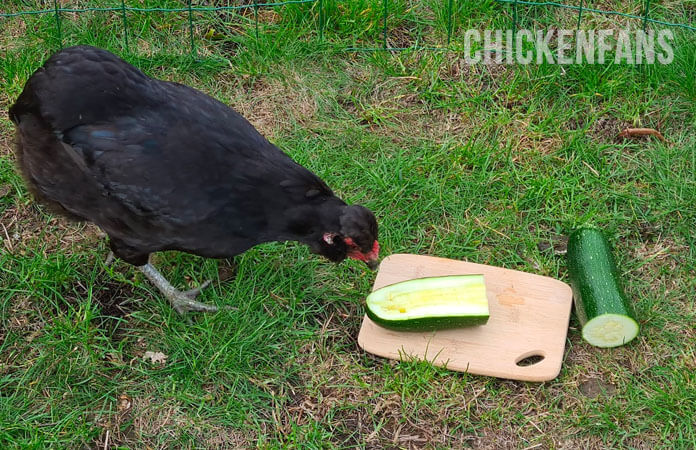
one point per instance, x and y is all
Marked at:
(607, 129)
(593, 387)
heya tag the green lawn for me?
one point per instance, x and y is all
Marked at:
(491, 164)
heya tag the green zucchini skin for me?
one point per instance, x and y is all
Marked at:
(594, 277)
(427, 323)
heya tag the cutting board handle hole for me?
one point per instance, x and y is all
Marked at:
(530, 359)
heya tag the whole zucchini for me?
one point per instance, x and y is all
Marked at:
(604, 311)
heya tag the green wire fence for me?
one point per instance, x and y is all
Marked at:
(190, 9)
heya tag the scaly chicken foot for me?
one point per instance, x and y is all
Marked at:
(109, 259)
(182, 302)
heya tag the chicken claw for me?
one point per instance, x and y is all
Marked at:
(182, 302)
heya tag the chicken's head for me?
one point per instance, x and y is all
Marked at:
(357, 238)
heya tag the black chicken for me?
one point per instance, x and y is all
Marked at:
(161, 166)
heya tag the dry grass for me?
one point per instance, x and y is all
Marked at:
(274, 106)
(145, 421)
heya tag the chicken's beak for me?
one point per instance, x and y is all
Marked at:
(373, 257)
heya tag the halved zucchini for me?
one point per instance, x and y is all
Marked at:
(430, 303)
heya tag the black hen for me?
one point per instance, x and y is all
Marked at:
(161, 166)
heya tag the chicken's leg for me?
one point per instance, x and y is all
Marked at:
(182, 302)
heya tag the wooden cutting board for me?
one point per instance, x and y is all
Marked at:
(529, 316)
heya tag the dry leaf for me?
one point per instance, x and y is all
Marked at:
(634, 132)
(124, 403)
(156, 357)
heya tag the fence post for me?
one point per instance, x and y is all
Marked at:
(58, 27)
(384, 23)
(321, 21)
(190, 22)
(256, 21)
(125, 24)
(514, 18)
(582, 4)
(449, 22)
(645, 16)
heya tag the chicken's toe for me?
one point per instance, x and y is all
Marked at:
(109, 259)
(193, 293)
(182, 302)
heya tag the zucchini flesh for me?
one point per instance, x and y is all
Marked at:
(606, 315)
(430, 303)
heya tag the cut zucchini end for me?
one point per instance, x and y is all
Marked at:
(610, 330)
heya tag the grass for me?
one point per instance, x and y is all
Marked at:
(492, 164)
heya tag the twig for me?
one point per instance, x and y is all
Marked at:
(485, 225)
(9, 242)
(635, 132)
(533, 446)
(476, 396)
(535, 426)
(594, 171)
